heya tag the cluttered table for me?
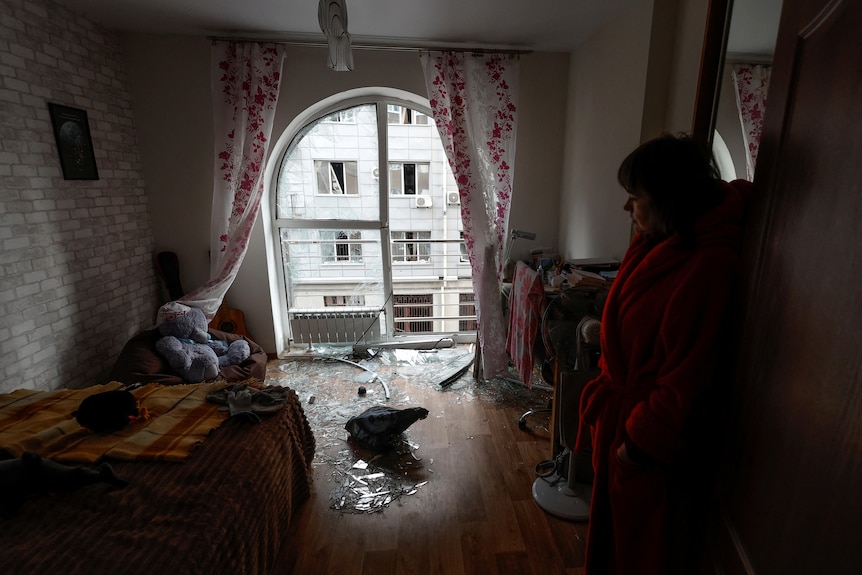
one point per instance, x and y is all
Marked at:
(525, 298)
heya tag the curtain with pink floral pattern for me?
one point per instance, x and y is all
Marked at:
(245, 82)
(474, 102)
(752, 84)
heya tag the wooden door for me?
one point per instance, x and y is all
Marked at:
(791, 480)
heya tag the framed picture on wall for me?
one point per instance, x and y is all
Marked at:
(72, 133)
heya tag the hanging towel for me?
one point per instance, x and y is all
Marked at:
(526, 306)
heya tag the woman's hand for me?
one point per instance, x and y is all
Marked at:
(623, 454)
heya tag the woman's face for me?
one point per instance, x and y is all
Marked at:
(641, 209)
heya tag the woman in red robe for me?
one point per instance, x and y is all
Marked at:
(645, 416)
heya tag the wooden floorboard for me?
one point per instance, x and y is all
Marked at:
(475, 514)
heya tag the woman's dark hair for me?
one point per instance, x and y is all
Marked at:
(679, 176)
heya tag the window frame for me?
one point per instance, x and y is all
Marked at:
(405, 243)
(402, 176)
(351, 244)
(344, 116)
(346, 178)
(412, 306)
(405, 116)
(463, 253)
(467, 306)
(288, 279)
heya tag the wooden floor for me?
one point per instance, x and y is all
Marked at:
(474, 515)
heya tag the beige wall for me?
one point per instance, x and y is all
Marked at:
(607, 82)
(688, 47)
(169, 83)
(169, 86)
(539, 157)
(631, 81)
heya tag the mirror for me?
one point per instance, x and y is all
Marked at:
(737, 32)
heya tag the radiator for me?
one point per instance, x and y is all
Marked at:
(345, 325)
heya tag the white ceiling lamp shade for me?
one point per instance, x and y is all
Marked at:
(332, 15)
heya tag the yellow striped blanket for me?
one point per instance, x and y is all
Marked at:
(42, 422)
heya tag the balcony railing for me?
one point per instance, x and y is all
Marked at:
(431, 293)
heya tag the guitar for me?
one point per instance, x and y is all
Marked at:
(230, 320)
(168, 266)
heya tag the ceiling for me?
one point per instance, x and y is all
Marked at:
(543, 25)
(538, 25)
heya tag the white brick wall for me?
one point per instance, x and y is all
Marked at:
(75, 256)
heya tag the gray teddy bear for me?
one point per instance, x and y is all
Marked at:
(190, 349)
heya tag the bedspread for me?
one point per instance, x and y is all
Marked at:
(224, 510)
(180, 418)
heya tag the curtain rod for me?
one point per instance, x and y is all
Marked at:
(380, 47)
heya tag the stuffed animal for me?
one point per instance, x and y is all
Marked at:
(186, 344)
(31, 476)
(237, 352)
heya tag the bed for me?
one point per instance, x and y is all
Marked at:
(139, 362)
(225, 508)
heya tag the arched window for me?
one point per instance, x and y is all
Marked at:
(723, 159)
(364, 208)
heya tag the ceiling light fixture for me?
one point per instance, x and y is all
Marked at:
(332, 15)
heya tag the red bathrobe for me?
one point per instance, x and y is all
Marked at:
(661, 347)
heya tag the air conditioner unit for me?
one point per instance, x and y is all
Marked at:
(453, 198)
(423, 201)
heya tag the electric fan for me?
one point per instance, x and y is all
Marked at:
(570, 332)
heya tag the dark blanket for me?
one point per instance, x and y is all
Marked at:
(140, 363)
(225, 510)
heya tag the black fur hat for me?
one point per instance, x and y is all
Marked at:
(108, 411)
